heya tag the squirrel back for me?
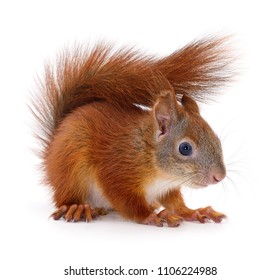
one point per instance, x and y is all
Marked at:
(101, 149)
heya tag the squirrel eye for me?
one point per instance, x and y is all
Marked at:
(185, 149)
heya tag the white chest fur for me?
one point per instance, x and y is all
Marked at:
(158, 188)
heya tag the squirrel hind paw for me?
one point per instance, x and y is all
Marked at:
(76, 213)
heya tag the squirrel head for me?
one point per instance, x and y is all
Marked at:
(187, 149)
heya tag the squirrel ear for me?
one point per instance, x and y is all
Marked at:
(189, 104)
(165, 111)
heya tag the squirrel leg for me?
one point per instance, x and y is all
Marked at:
(175, 204)
(133, 205)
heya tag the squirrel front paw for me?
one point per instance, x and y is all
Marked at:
(153, 220)
(171, 219)
(76, 213)
(203, 215)
(162, 217)
(211, 214)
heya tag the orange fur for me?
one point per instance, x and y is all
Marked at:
(100, 150)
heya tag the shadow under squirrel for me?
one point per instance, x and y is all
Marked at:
(122, 131)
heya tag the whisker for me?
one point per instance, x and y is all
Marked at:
(225, 189)
(236, 153)
(241, 174)
(242, 162)
(224, 128)
(231, 181)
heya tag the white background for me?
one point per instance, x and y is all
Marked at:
(246, 116)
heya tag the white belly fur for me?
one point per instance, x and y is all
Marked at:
(97, 199)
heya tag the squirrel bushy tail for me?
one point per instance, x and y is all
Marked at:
(127, 77)
(199, 68)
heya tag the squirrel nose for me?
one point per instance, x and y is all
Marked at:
(217, 176)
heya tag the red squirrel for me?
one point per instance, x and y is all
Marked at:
(122, 131)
